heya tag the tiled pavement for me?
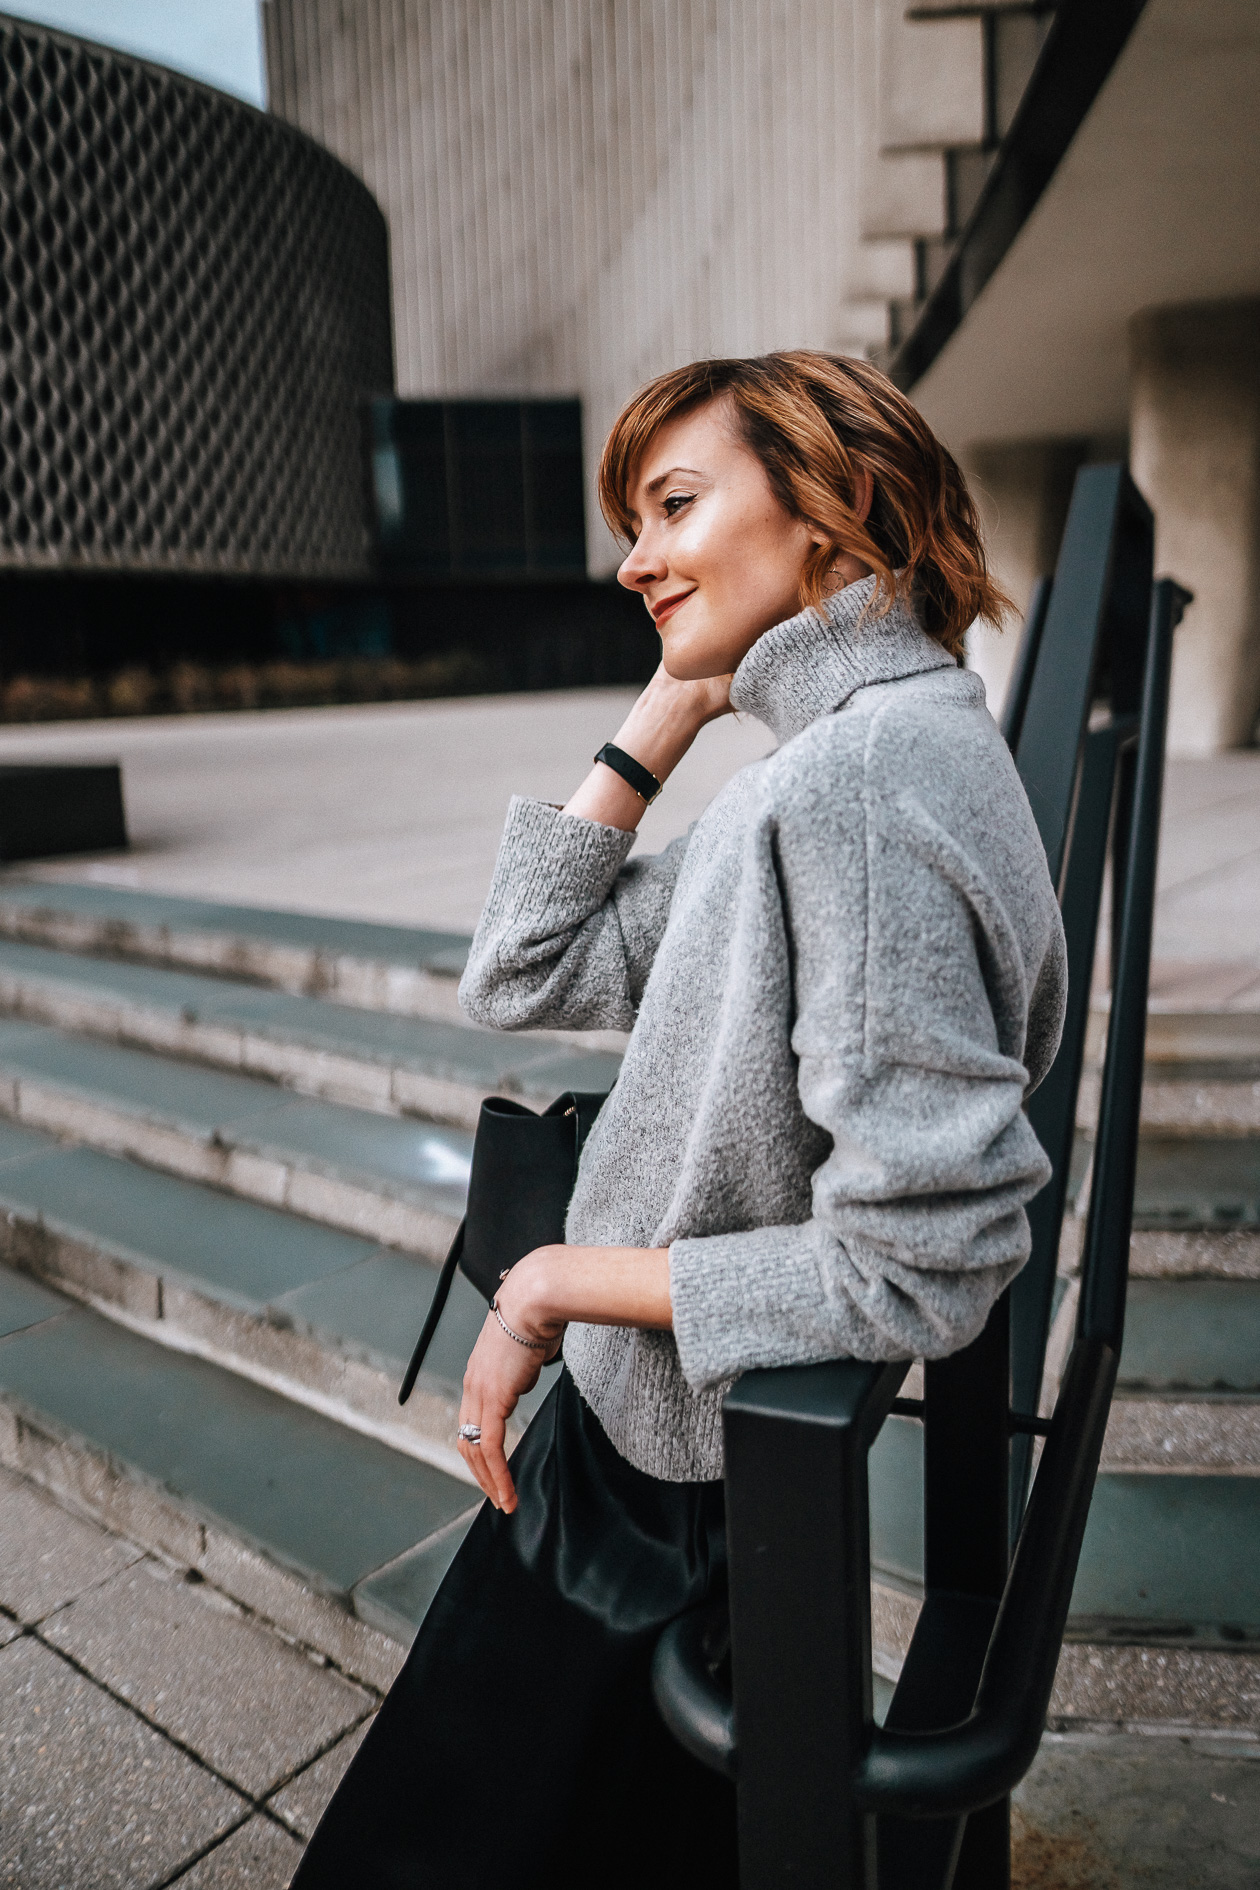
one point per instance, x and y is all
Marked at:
(389, 812)
(152, 1732)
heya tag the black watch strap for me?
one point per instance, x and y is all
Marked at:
(641, 779)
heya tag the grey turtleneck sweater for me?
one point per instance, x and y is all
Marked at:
(840, 983)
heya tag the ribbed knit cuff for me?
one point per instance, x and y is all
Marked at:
(744, 1300)
(550, 864)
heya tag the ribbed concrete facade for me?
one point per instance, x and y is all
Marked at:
(193, 304)
(581, 193)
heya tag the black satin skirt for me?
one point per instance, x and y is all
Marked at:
(520, 1745)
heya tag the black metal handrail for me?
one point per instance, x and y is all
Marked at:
(825, 1796)
(963, 1768)
(960, 1769)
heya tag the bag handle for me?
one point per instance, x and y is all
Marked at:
(437, 1306)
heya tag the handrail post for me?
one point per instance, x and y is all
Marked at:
(1105, 1275)
(798, 1529)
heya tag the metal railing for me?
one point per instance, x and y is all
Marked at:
(827, 1797)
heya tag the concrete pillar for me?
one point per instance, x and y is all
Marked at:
(1023, 488)
(1195, 453)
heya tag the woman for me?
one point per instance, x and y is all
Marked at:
(840, 985)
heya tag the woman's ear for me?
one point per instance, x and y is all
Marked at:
(865, 495)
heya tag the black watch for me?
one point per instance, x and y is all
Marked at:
(641, 779)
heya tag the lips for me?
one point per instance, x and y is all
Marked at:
(667, 606)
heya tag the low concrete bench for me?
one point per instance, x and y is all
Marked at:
(47, 810)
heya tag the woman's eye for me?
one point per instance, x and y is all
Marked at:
(675, 502)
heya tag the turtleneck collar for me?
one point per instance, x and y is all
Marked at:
(812, 663)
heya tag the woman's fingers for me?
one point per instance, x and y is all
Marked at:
(499, 1370)
(471, 1453)
(488, 1461)
(494, 1459)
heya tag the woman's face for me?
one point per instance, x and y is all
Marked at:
(717, 558)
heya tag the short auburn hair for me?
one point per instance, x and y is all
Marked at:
(817, 422)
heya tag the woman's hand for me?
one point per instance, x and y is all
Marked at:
(500, 1370)
(604, 1286)
(687, 703)
(498, 1374)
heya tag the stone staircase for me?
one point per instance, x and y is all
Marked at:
(947, 79)
(1167, 1605)
(223, 1199)
(234, 1144)
(1165, 1625)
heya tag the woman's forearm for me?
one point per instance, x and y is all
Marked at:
(658, 731)
(598, 1286)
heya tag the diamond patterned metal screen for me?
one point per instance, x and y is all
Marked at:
(194, 299)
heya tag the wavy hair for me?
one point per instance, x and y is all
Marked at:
(818, 422)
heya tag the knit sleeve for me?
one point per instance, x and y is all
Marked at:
(917, 1072)
(570, 927)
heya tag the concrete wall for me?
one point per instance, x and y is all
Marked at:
(580, 196)
(1023, 489)
(1194, 451)
(1196, 456)
(1155, 206)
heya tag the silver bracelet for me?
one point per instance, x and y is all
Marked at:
(535, 1345)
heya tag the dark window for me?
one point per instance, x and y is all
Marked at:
(478, 488)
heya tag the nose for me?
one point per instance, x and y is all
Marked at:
(643, 565)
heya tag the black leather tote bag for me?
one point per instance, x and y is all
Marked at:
(523, 1169)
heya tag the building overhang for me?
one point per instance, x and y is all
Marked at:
(1155, 201)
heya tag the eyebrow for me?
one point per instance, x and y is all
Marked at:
(654, 485)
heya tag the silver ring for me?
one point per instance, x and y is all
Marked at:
(471, 1433)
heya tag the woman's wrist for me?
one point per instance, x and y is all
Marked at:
(666, 719)
(603, 1286)
(657, 733)
(526, 1298)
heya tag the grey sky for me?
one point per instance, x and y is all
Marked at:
(216, 40)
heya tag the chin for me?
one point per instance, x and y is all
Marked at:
(694, 668)
(685, 662)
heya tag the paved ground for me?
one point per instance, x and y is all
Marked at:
(394, 812)
(151, 1732)
(390, 812)
(1136, 1810)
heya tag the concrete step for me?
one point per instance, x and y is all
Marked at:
(1196, 1208)
(410, 970)
(1165, 1621)
(323, 1531)
(1191, 1335)
(1188, 1396)
(1206, 1183)
(342, 1542)
(1192, 1098)
(322, 1317)
(1195, 1254)
(371, 1060)
(388, 1178)
(1159, 1432)
(1216, 1034)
